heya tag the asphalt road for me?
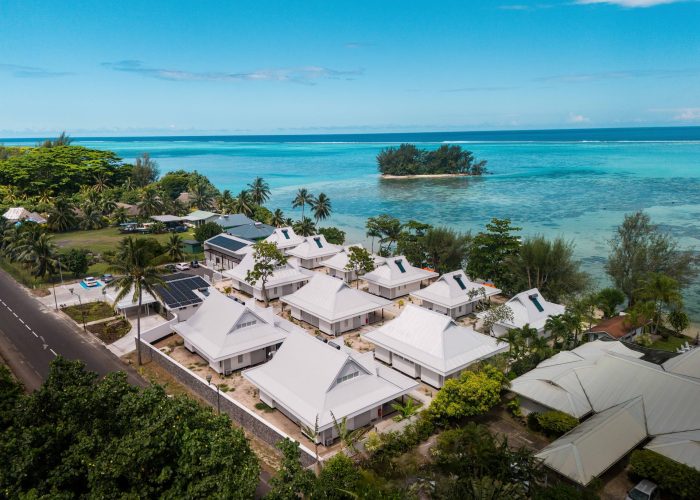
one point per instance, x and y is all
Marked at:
(31, 337)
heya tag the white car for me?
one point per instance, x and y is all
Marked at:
(182, 266)
(90, 282)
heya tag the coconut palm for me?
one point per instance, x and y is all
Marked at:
(135, 275)
(101, 180)
(201, 195)
(225, 202)
(514, 340)
(150, 203)
(278, 219)
(302, 199)
(173, 247)
(259, 191)
(305, 227)
(348, 437)
(45, 197)
(321, 207)
(243, 204)
(574, 320)
(62, 216)
(119, 215)
(663, 291)
(92, 218)
(40, 255)
(557, 328)
(106, 205)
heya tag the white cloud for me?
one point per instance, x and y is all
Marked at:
(574, 118)
(630, 3)
(687, 115)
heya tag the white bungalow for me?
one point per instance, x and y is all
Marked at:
(313, 251)
(332, 306)
(309, 379)
(285, 238)
(199, 217)
(231, 335)
(336, 264)
(454, 294)
(529, 308)
(430, 346)
(224, 251)
(397, 277)
(285, 279)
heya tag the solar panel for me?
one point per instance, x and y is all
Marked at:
(227, 243)
(179, 291)
(399, 264)
(459, 281)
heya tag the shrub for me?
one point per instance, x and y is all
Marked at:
(514, 407)
(672, 477)
(533, 421)
(556, 423)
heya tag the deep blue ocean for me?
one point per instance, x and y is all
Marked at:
(574, 183)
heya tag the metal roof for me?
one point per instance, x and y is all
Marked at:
(180, 290)
(227, 242)
(254, 231)
(395, 271)
(448, 292)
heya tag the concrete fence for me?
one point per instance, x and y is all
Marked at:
(238, 413)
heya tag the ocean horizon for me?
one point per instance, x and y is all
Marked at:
(575, 183)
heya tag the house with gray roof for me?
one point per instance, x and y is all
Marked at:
(310, 381)
(254, 231)
(454, 294)
(396, 277)
(313, 251)
(224, 251)
(333, 307)
(431, 346)
(285, 280)
(227, 221)
(199, 217)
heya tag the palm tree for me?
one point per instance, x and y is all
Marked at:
(278, 219)
(573, 319)
(40, 255)
(373, 232)
(173, 247)
(662, 291)
(243, 204)
(302, 199)
(305, 227)
(514, 340)
(136, 275)
(348, 437)
(321, 207)
(259, 191)
(312, 433)
(119, 216)
(201, 195)
(407, 409)
(45, 197)
(226, 202)
(150, 203)
(92, 218)
(101, 180)
(557, 328)
(62, 216)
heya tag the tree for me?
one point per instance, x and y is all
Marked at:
(76, 261)
(62, 140)
(225, 202)
(333, 235)
(278, 219)
(662, 291)
(491, 249)
(175, 182)
(302, 198)
(445, 248)
(202, 193)
(348, 437)
(92, 218)
(549, 266)
(338, 479)
(259, 191)
(389, 230)
(62, 216)
(407, 409)
(608, 300)
(372, 230)
(360, 262)
(150, 203)
(321, 207)
(144, 172)
(40, 254)
(206, 231)
(174, 247)
(292, 480)
(639, 248)
(558, 329)
(83, 436)
(678, 320)
(243, 204)
(304, 227)
(407, 159)
(135, 275)
(498, 314)
(10, 392)
(267, 259)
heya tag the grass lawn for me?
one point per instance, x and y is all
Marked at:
(670, 344)
(110, 331)
(93, 311)
(100, 240)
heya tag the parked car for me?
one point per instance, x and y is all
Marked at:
(645, 490)
(90, 282)
(182, 266)
(107, 278)
(194, 264)
(170, 268)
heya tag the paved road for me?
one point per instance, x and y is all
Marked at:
(31, 337)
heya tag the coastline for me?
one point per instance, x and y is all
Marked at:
(423, 176)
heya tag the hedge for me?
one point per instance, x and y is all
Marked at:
(672, 477)
(552, 423)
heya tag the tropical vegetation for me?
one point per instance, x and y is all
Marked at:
(407, 159)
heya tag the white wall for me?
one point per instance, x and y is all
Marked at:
(382, 354)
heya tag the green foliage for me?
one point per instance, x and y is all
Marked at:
(338, 479)
(555, 423)
(80, 437)
(608, 299)
(490, 250)
(387, 229)
(173, 247)
(262, 214)
(292, 480)
(144, 171)
(513, 407)
(472, 393)
(673, 478)
(407, 159)
(333, 235)
(302, 198)
(662, 293)
(406, 410)
(678, 320)
(360, 261)
(321, 207)
(267, 258)
(175, 182)
(259, 191)
(75, 261)
(304, 227)
(445, 249)
(10, 392)
(62, 216)
(498, 314)
(206, 231)
(562, 491)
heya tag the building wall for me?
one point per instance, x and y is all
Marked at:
(431, 378)
(405, 365)
(217, 260)
(394, 292)
(382, 354)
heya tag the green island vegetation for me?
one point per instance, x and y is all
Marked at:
(408, 160)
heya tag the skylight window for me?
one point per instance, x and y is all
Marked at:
(347, 377)
(245, 324)
(399, 264)
(318, 242)
(536, 301)
(459, 281)
(285, 233)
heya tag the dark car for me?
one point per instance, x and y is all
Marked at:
(170, 268)
(107, 278)
(194, 264)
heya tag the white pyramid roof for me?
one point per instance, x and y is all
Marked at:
(289, 273)
(395, 271)
(525, 310)
(284, 238)
(455, 289)
(683, 447)
(340, 260)
(314, 247)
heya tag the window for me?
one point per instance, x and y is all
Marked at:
(347, 377)
(240, 359)
(535, 301)
(399, 264)
(245, 324)
(285, 233)
(459, 281)
(318, 242)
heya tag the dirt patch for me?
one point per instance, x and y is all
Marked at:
(110, 331)
(40, 292)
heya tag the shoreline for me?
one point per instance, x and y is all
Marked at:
(424, 176)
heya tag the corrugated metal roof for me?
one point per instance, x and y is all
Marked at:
(395, 271)
(448, 292)
(314, 247)
(526, 312)
(683, 447)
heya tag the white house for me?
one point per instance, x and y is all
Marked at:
(181, 294)
(396, 277)
(231, 335)
(529, 308)
(285, 280)
(199, 217)
(313, 251)
(336, 264)
(285, 238)
(224, 251)
(332, 306)
(309, 379)
(430, 346)
(454, 294)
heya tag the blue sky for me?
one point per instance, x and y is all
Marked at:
(190, 67)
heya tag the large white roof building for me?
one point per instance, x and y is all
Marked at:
(313, 251)
(336, 264)
(285, 279)
(430, 345)
(454, 294)
(309, 379)
(529, 308)
(396, 277)
(285, 238)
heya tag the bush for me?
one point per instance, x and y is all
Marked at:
(556, 423)
(514, 407)
(533, 421)
(672, 477)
